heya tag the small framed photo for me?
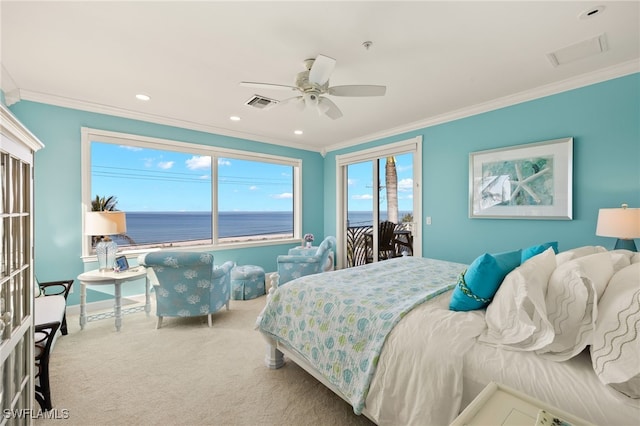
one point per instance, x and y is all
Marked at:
(121, 264)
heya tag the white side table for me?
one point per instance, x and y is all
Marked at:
(500, 405)
(97, 277)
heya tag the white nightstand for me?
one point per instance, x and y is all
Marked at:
(500, 405)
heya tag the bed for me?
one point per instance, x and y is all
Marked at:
(416, 361)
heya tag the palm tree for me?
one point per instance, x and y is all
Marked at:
(391, 183)
(106, 204)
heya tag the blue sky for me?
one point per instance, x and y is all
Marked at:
(360, 190)
(154, 180)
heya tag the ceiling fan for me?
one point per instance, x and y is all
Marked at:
(313, 84)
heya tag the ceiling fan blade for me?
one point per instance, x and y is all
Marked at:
(266, 85)
(330, 109)
(321, 70)
(297, 100)
(357, 90)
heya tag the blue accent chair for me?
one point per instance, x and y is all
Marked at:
(187, 283)
(291, 267)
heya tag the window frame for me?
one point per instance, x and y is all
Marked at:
(409, 146)
(89, 135)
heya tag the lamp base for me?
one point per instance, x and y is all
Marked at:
(625, 245)
(106, 254)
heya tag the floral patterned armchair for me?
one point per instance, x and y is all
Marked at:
(187, 283)
(294, 266)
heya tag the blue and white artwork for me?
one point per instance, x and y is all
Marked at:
(521, 182)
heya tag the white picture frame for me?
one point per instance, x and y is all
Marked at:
(530, 181)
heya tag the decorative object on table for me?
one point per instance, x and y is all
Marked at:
(622, 223)
(308, 239)
(294, 266)
(121, 264)
(103, 224)
(532, 181)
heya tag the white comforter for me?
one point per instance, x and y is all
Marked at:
(432, 366)
(419, 375)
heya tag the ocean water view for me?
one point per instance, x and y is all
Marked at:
(164, 227)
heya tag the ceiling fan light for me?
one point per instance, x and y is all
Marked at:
(311, 100)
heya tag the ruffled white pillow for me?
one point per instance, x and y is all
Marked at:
(571, 302)
(615, 350)
(517, 318)
(575, 253)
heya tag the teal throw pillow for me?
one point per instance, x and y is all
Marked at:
(480, 282)
(529, 252)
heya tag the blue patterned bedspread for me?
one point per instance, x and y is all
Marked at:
(338, 321)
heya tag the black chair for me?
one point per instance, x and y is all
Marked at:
(54, 288)
(44, 339)
(386, 242)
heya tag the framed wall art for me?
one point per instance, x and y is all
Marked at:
(531, 181)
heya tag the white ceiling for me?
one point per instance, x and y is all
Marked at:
(439, 60)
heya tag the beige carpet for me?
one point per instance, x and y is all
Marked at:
(184, 374)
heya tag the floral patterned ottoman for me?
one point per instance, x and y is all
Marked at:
(247, 282)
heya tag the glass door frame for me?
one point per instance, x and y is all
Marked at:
(413, 146)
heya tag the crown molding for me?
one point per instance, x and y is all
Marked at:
(587, 79)
(60, 101)
(620, 70)
(12, 127)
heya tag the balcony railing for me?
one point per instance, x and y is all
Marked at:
(360, 243)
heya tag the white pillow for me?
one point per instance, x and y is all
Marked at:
(615, 350)
(575, 253)
(516, 318)
(635, 258)
(621, 259)
(572, 296)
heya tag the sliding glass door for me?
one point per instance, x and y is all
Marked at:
(378, 200)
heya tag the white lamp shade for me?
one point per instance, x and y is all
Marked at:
(623, 223)
(105, 223)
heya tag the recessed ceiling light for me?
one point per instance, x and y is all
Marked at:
(234, 118)
(142, 97)
(297, 132)
(591, 12)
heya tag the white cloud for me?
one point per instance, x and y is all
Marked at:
(204, 177)
(283, 196)
(130, 148)
(165, 164)
(362, 197)
(253, 188)
(223, 162)
(405, 185)
(198, 162)
(351, 182)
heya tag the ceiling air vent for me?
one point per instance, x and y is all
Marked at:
(583, 49)
(261, 102)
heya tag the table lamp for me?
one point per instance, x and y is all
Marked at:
(103, 224)
(622, 223)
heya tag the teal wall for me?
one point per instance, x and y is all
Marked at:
(58, 233)
(603, 119)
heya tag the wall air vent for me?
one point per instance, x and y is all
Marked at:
(261, 102)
